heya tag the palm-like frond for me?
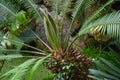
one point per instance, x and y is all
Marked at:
(80, 8)
(21, 51)
(108, 25)
(78, 12)
(105, 70)
(18, 42)
(92, 17)
(65, 7)
(37, 65)
(19, 71)
(52, 33)
(10, 56)
(42, 40)
(77, 9)
(85, 26)
(89, 3)
(7, 8)
(63, 14)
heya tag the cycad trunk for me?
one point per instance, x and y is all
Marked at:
(71, 66)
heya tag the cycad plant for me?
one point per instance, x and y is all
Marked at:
(65, 58)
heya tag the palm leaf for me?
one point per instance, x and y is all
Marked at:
(65, 7)
(10, 56)
(104, 67)
(21, 51)
(80, 7)
(51, 30)
(77, 9)
(7, 8)
(88, 4)
(22, 43)
(115, 68)
(92, 17)
(37, 65)
(42, 41)
(19, 71)
(108, 25)
(94, 77)
(78, 12)
(104, 75)
(105, 70)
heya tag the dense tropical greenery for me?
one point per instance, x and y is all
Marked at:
(64, 38)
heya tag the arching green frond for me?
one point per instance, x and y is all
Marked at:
(89, 3)
(65, 7)
(108, 25)
(19, 71)
(79, 13)
(7, 8)
(96, 13)
(104, 75)
(21, 43)
(105, 70)
(86, 27)
(51, 32)
(10, 56)
(36, 66)
(77, 9)
(80, 7)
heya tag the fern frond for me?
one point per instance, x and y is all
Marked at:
(89, 3)
(85, 28)
(80, 7)
(79, 12)
(7, 8)
(75, 14)
(65, 7)
(77, 9)
(108, 25)
(96, 13)
(19, 71)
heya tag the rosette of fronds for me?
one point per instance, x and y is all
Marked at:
(59, 43)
